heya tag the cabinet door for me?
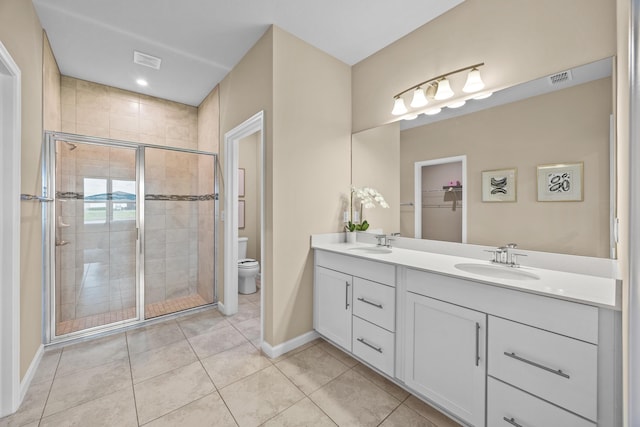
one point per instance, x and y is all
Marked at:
(445, 351)
(332, 306)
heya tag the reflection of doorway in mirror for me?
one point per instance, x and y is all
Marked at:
(440, 208)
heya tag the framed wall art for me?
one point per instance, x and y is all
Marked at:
(240, 182)
(561, 182)
(499, 185)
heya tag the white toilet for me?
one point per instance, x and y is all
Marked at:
(248, 269)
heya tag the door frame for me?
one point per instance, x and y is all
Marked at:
(231, 153)
(418, 192)
(10, 154)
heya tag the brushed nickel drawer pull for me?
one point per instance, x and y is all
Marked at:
(369, 302)
(346, 296)
(537, 365)
(378, 349)
(512, 421)
(477, 344)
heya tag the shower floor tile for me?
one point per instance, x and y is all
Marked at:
(151, 310)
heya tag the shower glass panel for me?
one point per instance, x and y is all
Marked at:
(179, 232)
(95, 236)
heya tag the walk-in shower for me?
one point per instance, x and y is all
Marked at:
(130, 234)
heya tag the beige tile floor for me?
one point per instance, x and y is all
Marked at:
(206, 370)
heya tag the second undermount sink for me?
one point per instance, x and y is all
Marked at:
(497, 271)
(371, 250)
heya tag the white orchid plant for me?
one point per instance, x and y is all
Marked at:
(368, 198)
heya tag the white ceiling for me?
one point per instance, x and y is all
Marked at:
(200, 41)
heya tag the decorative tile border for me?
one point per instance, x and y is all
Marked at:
(131, 198)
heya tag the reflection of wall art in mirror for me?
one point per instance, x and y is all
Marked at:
(560, 183)
(240, 213)
(499, 185)
(241, 182)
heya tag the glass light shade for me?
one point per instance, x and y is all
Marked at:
(433, 111)
(398, 107)
(410, 117)
(419, 98)
(474, 82)
(483, 95)
(444, 90)
(457, 104)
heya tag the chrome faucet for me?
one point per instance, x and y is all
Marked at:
(505, 255)
(384, 240)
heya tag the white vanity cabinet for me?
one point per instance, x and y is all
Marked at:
(445, 355)
(354, 307)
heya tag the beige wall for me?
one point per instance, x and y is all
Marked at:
(93, 109)
(209, 122)
(562, 127)
(518, 41)
(310, 166)
(376, 159)
(245, 91)
(249, 161)
(51, 88)
(21, 34)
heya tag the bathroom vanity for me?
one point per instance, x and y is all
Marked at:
(488, 345)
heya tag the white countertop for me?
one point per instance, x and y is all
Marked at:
(598, 291)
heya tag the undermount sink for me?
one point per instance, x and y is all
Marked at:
(497, 271)
(371, 250)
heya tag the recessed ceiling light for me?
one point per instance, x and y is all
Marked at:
(142, 82)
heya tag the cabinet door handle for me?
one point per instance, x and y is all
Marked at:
(346, 296)
(362, 340)
(512, 421)
(369, 302)
(477, 344)
(537, 365)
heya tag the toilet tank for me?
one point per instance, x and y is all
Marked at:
(242, 247)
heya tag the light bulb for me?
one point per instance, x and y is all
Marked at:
(410, 117)
(142, 82)
(433, 111)
(419, 98)
(474, 82)
(398, 107)
(444, 90)
(483, 95)
(457, 104)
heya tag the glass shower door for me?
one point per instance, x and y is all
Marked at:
(179, 230)
(95, 236)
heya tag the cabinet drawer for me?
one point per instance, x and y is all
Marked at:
(522, 409)
(556, 368)
(374, 345)
(375, 303)
(372, 270)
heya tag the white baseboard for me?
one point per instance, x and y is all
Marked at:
(287, 346)
(28, 376)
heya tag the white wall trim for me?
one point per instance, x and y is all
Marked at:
(287, 346)
(417, 197)
(10, 146)
(231, 139)
(31, 372)
(633, 337)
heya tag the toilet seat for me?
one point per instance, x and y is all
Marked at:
(247, 263)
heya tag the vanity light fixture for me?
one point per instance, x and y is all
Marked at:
(398, 107)
(483, 95)
(410, 117)
(419, 98)
(440, 84)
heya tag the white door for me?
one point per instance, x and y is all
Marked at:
(332, 306)
(445, 356)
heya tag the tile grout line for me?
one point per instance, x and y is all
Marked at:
(133, 389)
(50, 387)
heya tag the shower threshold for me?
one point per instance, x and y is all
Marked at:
(150, 310)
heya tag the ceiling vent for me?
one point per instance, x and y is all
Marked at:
(146, 60)
(561, 77)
